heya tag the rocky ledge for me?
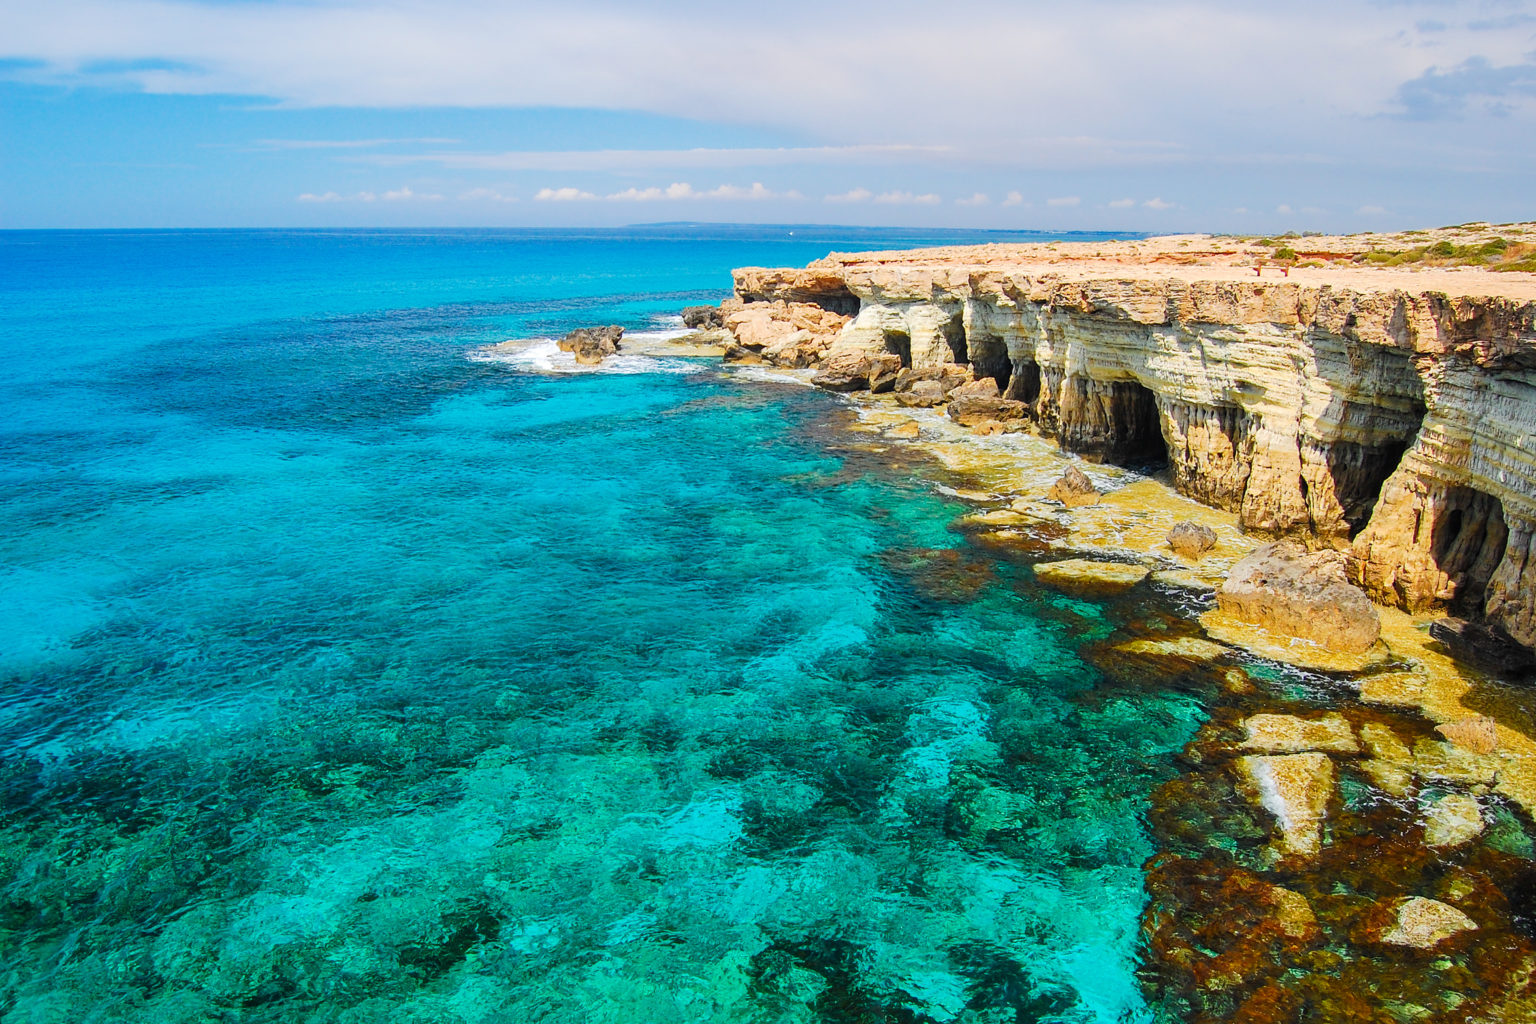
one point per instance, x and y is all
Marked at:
(1332, 397)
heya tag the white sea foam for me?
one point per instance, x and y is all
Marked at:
(543, 355)
(772, 375)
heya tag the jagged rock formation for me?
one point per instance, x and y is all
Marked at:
(1386, 414)
(591, 344)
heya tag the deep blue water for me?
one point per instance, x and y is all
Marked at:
(346, 678)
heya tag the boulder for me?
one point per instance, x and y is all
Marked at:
(1421, 923)
(1074, 489)
(948, 377)
(1295, 788)
(1478, 733)
(1285, 590)
(1191, 539)
(843, 371)
(984, 388)
(923, 394)
(702, 317)
(970, 410)
(882, 372)
(591, 344)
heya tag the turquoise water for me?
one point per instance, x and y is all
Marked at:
(347, 678)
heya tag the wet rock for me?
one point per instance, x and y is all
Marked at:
(1074, 489)
(1485, 646)
(968, 410)
(1478, 734)
(1295, 789)
(1288, 734)
(1088, 578)
(1447, 762)
(1389, 765)
(1453, 820)
(702, 317)
(1421, 923)
(924, 394)
(987, 428)
(737, 353)
(591, 344)
(1191, 539)
(1393, 689)
(882, 372)
(906, 430)
(948, 377)
(1285, 590)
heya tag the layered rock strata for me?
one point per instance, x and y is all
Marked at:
(1385, 414)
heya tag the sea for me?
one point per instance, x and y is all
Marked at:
(349, 674)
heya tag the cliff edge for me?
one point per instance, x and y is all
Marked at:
(1374, 394)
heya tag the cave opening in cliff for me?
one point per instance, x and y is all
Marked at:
(899, 343)
(954, 337)
(1467, 539)
(989, 358)
(1137, 430)
(1024, 384)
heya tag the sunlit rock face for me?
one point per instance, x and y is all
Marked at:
(1394, 424)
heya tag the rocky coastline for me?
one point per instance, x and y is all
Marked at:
(1349, 462)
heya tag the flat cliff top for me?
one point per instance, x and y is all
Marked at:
(1469, 260)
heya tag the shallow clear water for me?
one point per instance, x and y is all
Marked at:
(346, 678)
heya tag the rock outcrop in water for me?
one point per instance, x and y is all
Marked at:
(590, 345)
(1382, 413)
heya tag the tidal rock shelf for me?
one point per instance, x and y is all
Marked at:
(1386, 413)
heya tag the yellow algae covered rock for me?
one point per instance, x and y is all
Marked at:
(906, 430)
(1074, 489)
(1087, 578)
(1288, 734)
(1422, 923)
(1452, 820)
(1449, 763)
(1182, 648)
(1394, 689)
(1295, 788)
(1389, 765)
(1292, 650)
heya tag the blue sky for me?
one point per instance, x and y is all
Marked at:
(1183, 115)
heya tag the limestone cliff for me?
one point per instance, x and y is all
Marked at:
(1388, 414)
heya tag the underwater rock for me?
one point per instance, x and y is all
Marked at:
(591, 344)
(1295, 788)
(969, 410)
(1087, 578)
(906, 430)
(1478, 733)
(1453, 820)
(1191, 539)
(1285, 590)
(1287, 734)
(1422, 923)
(1389, 765)
(1447, 762)
(1074, 489)
(1394, 689)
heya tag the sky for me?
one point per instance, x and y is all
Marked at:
(1202, 115)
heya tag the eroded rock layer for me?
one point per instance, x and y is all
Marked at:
(1389, 416)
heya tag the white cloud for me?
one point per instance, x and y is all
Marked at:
(348, 143)
(1371, 211)
(1284, 209)
(899, 197)
(853, 195)
(630, 160)
(1064, 201)
(1121, 204)
(1241, 209)
(477, 195)
(405, 195)
(975, 199)
(1015, 199)
(683, 190)
(336, 197)
(1159, 203)
(562, 195)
